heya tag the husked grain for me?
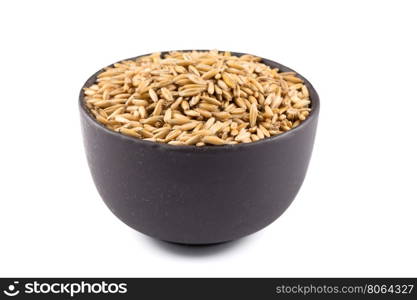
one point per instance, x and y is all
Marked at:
(198, 98)
(253, 114)
(213, 140)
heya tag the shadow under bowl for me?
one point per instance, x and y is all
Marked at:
(198, 195)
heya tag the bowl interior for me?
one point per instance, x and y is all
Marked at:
(314, 98)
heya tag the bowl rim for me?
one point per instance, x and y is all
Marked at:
(314, 98)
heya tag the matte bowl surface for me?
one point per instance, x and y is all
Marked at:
(198, 195)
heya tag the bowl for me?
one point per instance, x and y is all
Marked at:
(198, 195)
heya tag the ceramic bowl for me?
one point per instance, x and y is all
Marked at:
(198, 195)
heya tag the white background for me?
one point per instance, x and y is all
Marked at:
(356, 212)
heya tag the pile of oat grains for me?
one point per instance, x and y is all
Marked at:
(198, 98)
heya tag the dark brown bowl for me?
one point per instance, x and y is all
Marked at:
(198, 195)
